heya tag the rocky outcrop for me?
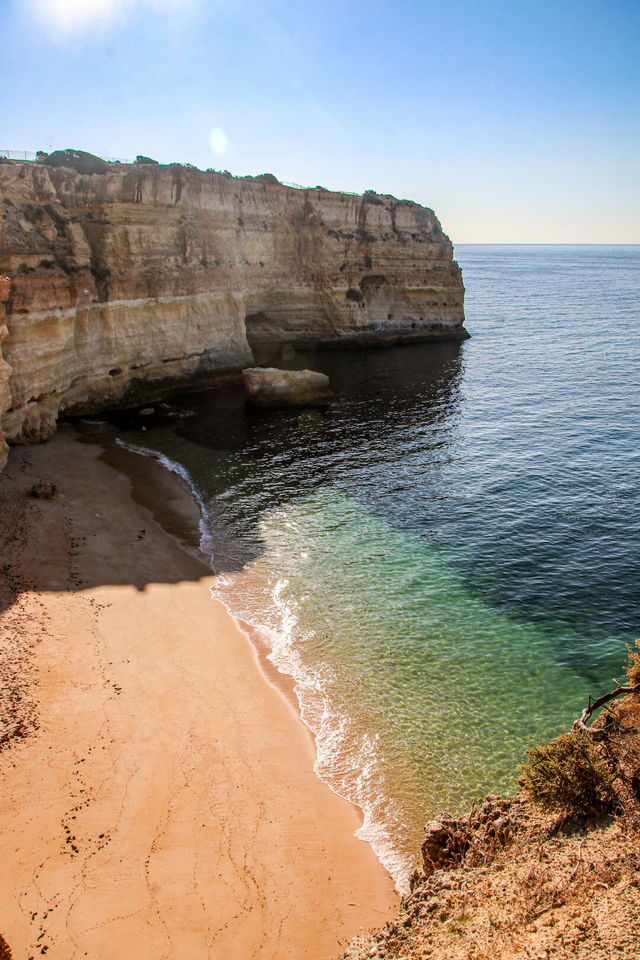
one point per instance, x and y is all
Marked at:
(123, 283)
(269, 387)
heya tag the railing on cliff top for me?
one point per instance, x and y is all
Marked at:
(31, 155)
(17, 155)
(298, 186)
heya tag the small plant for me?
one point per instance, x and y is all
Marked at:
(353, 294)
(568, 774)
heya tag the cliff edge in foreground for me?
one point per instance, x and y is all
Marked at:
(114, 286)
(552, 873)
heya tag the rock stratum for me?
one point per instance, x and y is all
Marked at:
(115, 286)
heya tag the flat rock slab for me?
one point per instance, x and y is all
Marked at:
(270, 387)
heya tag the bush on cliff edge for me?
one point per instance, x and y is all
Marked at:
(569, 774)
(592, 770)
(78, 160)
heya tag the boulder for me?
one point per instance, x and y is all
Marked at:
(44, 490)
(269, 387)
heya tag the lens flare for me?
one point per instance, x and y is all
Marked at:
(218, 142)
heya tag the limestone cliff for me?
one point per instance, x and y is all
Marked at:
(120, 284)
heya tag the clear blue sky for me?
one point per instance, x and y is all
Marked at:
(516, 121)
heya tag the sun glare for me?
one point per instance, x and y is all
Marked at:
(69, 16)
(218, 142)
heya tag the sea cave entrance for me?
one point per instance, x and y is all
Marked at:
(268, 340)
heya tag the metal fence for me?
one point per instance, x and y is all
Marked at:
(17, 155)
(298, 186)
(30, 155)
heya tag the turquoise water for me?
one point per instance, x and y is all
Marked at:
(446, 560)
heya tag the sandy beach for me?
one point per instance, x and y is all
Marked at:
(157, 790)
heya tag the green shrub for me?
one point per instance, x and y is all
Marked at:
(370, 196)
(78, 160)
(568, 774)
(353, 294)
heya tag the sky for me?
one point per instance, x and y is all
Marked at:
(517, 122)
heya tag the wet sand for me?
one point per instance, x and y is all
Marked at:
(157, 792)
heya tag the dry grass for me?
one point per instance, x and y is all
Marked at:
(570, 775)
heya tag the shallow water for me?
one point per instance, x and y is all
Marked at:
(446, 559)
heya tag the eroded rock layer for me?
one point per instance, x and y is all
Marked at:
(120, 284)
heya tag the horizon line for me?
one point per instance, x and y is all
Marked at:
(545, 243)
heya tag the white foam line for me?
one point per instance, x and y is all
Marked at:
(205, 527)
(327, 727)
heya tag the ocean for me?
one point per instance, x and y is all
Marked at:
(447, 559)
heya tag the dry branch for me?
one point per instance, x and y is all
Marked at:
(581, 722)
(575, 869)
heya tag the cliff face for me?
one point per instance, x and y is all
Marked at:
(122, 283)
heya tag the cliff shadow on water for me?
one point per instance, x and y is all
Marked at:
(244, 461)
(237, 461)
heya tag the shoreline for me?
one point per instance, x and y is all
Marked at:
(372, 829)
(162, 793)
(283, 682)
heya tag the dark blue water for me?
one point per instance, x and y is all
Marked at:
(446, 560)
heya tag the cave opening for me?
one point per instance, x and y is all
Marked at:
(266, 340)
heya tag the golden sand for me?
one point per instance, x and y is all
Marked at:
(158, 799)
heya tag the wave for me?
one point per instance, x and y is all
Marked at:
(348, 760)
(207, 531)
